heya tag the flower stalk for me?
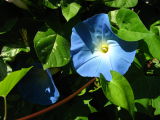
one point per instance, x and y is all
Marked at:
(5, 108)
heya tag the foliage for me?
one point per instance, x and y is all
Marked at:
(51, 47)
(118, 91)
(11, 80)
(39, 31)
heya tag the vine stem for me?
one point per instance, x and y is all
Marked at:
(5, 108)
(58, 103)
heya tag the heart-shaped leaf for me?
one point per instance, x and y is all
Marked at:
(51, 48)
(119, 91)
(70, 10)
(128, 26)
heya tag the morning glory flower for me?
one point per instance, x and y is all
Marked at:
(96, 49)
(38, 86)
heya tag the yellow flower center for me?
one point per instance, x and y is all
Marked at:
(104, 48)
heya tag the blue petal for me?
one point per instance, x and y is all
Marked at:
(90, 64)
(38, 87)
(119, 48)
(120, 60)
(77, 43)
(93, 30)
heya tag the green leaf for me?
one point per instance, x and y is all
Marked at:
(156, 104)
(155, 28)
(8, 25)
(92, 109)
(119, 91)
(121, 3)
(70, 10)
(128, 26)
(11, 80)
(153, 43)
(131, 35)
(52, 49)
(9, 53)
(81, 118)
(53, 4)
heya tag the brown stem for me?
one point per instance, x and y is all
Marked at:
(5, 108)
(58, 103)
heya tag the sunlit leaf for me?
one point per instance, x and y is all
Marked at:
(128, 25)
(121, 3)
(11, 80)
(70, 10)
(53, 4)
(51, 48)
(92, 109)
(81, 118)
(155, 28)
(156, 104)
(9, 53)
(119, 91)
(153, 43)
